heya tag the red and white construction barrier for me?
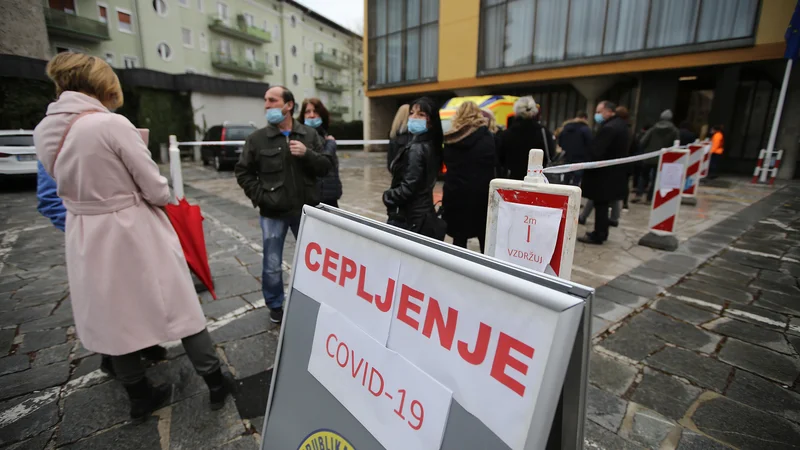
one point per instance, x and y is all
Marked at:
(690, 188)
(670, 180)
(767, 172)
(706, 158)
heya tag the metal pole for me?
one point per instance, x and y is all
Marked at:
(175, 167)
(775, 122)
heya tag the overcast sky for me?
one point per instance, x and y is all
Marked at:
(347, 13)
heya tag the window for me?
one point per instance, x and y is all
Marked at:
(160, 7)
(60, 49)
(68, 6)
(294, 51)
(304, 69)
(295, 79)
(266, 59)
(265, 27)
(222, 11)
(277, 60)
(294, 21)
(184, 3)
(125, 24)
(109, 57)
(225, 48)
(359, 115)
(201, 5)
(277, 32)
(130, 62)
(203, 42)
(250, 54)
(333, 52)
(102, 12)
(186, 35)
(404, 40)
(248, 19)
(528, 32)
(164, 51)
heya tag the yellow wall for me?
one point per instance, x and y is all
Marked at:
(459, 25)
(774, 20)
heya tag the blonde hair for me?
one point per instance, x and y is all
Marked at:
(468, 115)
(86, 74)
(492, 125)
(400, 122)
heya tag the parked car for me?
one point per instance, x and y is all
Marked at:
(223, 157)
(17, 153)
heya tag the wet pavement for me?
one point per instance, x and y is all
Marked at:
(693, 349)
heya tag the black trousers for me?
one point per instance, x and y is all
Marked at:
(601, 219)
(462, 241)
(334, 203)
(199, 348)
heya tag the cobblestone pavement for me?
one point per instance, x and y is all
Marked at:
(692, 349)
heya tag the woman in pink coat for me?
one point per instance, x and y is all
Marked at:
(129, 282)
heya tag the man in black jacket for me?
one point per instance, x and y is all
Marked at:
(575, 138)
(278, 170)
(606, 184)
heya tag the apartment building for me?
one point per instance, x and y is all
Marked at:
(709, 61)
(279, 42)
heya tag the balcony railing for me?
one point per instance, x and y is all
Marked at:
(327, 85)
(60, 23)
(239, 31)
(338, 110)
(229, 63)
(330, 60)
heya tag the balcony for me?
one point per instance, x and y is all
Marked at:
(339, 110)
(240, 31)
(330, 60)
(327, 85)
(229, 63)
(68, 25)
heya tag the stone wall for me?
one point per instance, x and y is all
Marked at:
(22, 29)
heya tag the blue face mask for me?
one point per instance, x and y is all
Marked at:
(275, 116)
(598, 118)
(314, 122)
(417, 126)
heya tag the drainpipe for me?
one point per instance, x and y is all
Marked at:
(284, 51)
(139, 33)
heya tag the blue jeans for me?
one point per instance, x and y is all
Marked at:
(273, 233)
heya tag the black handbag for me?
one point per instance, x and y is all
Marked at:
(433, 225)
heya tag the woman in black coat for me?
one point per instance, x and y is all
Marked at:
(409, 200)
(469, 154)
(314, 114)
(524, 133)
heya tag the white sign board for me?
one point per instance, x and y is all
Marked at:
(402, 406)
(526, 234)
(671, 177)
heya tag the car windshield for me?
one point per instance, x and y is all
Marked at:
(238, 133)
(18, 140)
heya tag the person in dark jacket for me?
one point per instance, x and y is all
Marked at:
(662, 135)
(606, 184)
(685, 133)
(524, 133)
(399, 136)
(409, 199)
(469, 155)
(574, 139)
(314, 114)
(278, 171)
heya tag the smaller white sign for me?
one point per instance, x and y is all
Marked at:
(400, 405)
(671, 176)
(526, 234)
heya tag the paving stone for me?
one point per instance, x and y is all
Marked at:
(634, 286)
(664, 394)
(86, 366)
(750, 333)
(243, 443)
(703, 370)
(632, 342)
(739, 282)
(597, 437)
(757, 315)
(195, 426)
(47, 323)
(745, 427)
(15, 363)
(40, 413)
(24, 315)
(755, 261)
(780, 288)
(734, 295)
(707, 301)
(681, 260)
(610, 374)
(795, 340)
(759, 393)
(252, 355)
(777, 277)
(775, 366)
(257, 423)
(33, 379)
(655, 277)
(605, 408)
(225, 266)
(254, 298)
(662, 266)
(7, 340)
(218, 308)
(622, 297)
(599, 325)
(232, 285)
(695, 441)
(650, 428)
(250, 324)
(609, 310)
(683, 311)
(769, 246)
(255, 270)
(37, 442)
(37, 340)
(53, 354)
(786, 304)
(724, 274)
(790, 268)
(247, 258)
(127, 437)
(679, 333)
(87, 411)
(13, 286)
(180, 372)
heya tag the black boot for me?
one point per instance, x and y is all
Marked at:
(154, 353)
(146, 398)
(217, 388)
(106, 366)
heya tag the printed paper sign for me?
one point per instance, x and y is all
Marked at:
(671, 177)
(491, 349)
(336, 268)
(400, 405)
(526, 234)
